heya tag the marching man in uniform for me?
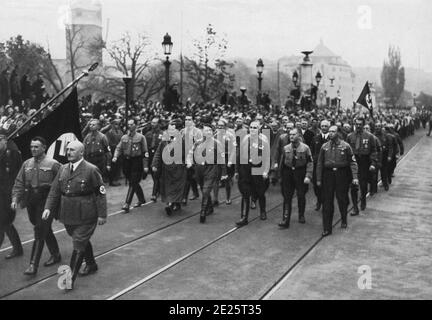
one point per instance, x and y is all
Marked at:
(336, 169)
(31, 189)
(133, 147)
(296, 174)
(253, 168)
(78, 194)
(97, 150)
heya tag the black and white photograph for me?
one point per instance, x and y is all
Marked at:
(218, 155)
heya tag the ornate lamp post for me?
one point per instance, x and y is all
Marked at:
(295, 78)
(167, 47)
(318, 78)
(127, 81)
(306, 73)
(260, 68)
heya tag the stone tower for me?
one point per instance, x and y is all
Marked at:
(84, 33)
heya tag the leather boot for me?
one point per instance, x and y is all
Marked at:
(286, 216)
(52, 245)
(129, 197)
(228, 192)
(140, 195)
(204, 206)
(354, 198)
(35, 257)
(55, 258)
(301, 218)
(210, 206)
(244, 212)
(262, 204)
(15, 240)
(90, 266)
(75, 264)
(363, 204)
(253, 204)
(168, 209)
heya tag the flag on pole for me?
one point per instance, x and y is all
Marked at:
(365, 98)
(59, 128)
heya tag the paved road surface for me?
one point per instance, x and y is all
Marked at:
(148, 255)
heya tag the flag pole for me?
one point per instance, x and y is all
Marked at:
(50, 102)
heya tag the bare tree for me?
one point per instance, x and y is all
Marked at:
(132, 59)
(208, 74)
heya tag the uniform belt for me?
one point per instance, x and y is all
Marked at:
(294, 168)
(80, 194)
(39, 189)
(130, 158)
(335, 168)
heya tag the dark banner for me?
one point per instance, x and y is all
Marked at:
(59, 128)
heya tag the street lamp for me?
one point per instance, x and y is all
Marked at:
(306, 73)
(127, 81)
(167, 47)
(260, 68)
(318, 78)
(338, 100)
(295, 77)
(414, 98)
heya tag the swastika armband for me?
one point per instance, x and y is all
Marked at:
(100, 191)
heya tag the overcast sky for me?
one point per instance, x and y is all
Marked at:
(359, 31)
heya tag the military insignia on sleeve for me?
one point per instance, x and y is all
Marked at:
(102, 190)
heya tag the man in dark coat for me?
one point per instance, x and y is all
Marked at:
(154, 138)
(253, 165)
(31, 189)
(10, 163)
(169, 164)
(316, 145)
(133, 148)
(208, 155)
(79, 194)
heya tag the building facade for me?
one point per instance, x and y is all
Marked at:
(338, 79)
(84, 33)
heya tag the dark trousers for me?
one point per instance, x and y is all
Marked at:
(363, 163)
(133, 170)
(384, 170)
(114, 173)
(252, 186)
(335, 182)
(42, 228)
(391, 168)
(293, 180)
(317, 190)
(13, 236)
(206, 177)
(190, 183)
(373, 181)
(7, 217)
